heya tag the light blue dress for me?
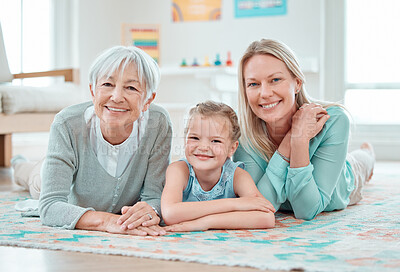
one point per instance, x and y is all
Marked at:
(223, 189)
(323, 185)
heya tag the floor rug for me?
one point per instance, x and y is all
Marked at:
(364, 237)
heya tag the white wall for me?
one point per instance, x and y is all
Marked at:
(97, 24)
(100, 27)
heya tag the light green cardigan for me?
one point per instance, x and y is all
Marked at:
(73, 181)
(324, 185)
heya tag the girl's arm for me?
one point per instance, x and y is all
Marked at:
(228, 220)
(175, 211)
(244, 218)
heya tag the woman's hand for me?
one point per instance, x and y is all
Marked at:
(254, 203)
(140, 214)
(108, 222)
(308, 121)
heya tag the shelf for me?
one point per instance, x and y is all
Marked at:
(308, 65)
(198, 70)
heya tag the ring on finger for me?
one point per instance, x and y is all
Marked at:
(150, 216)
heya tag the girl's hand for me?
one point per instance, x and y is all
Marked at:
(308, 121)
(193, 225)
(140, 214)
(254, 203)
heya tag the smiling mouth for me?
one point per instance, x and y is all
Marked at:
(269, 106)
(202, 156)
(116, 109)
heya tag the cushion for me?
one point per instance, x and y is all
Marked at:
(40, 99)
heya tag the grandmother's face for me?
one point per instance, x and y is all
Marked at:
(119, 99)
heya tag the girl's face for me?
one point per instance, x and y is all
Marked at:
(208, 142)
(270, 88)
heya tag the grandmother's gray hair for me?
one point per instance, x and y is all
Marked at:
(120, 57)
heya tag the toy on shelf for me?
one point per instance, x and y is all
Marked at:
(195, 63)
(217, 61)
(206, 62)
(183, 63)
(229, 60)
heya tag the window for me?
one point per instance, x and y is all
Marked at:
(27, 34)
(372, 61)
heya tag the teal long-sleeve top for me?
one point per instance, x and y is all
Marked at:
(323, 185)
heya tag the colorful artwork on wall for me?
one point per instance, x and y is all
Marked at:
(196, 10)
(253, 8)
(146, 37)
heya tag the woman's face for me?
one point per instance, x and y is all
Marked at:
(119, 99)
(270, 88)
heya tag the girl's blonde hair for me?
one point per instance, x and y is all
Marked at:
(253, 128)
(212, 109)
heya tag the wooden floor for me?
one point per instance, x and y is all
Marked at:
(26, 259)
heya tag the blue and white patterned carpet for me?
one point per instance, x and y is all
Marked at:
(365, 237)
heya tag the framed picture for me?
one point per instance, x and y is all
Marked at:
(253, 8)
(146, 37)
(196, 10)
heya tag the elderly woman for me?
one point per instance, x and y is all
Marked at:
(108, 157)
(295, 149)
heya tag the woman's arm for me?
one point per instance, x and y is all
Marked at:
(57, 174)
(309, 188)
(307, 122)
(175, 211)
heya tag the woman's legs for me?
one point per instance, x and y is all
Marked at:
(362, 162)
(27, 174)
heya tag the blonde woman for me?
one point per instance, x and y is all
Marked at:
(294, 148)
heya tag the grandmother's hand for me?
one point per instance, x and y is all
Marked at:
(140, 214)
(111, 226)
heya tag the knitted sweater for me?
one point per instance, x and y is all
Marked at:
(74, 182)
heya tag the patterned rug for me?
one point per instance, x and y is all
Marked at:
(364, 237)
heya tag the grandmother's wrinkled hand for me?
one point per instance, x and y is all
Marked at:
(111, 226)
(140, 214)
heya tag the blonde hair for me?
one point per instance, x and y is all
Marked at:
(253, 128)
(212, 109)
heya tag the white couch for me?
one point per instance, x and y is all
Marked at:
(31, 109)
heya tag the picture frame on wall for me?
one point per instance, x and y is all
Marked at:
(143, 36)
(258, 8)
(196, 10)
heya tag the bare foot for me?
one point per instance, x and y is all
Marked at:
(370, 150)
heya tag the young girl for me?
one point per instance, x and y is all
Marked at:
(201, 191)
